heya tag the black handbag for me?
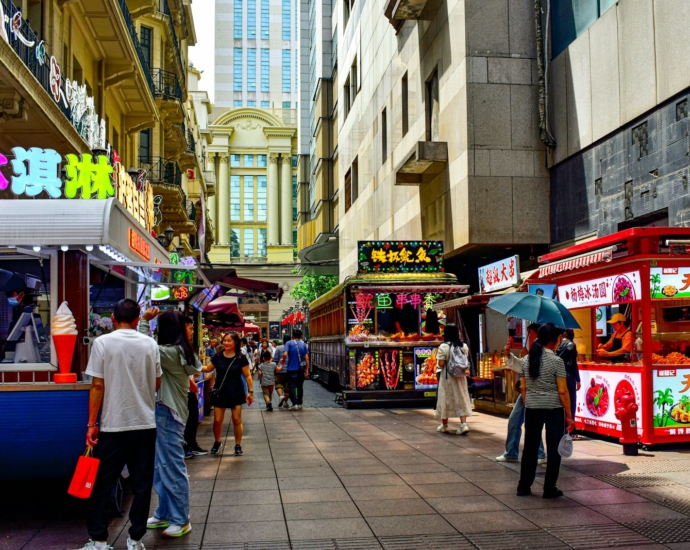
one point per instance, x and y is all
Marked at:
(215, 391)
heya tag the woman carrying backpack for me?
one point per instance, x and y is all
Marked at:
(453, 396)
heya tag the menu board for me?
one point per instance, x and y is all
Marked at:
(671, 400)
(425, 368)
(400, 256)
(379, 369)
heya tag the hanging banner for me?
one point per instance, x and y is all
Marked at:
(669, 282)
(201, 231)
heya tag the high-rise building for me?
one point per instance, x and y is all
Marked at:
(257, 54)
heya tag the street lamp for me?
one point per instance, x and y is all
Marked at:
(180, 251)
(167, 237)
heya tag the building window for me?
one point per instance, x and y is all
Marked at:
(432, 110)
(237, 103)
(286, 19)
(237, 70)
(248, 198)
(145, 146)
(249, 241)
(405, 112)
(354, 80)
(235, 199)
(286, 104)
(294, 236)
(235, 243)
(384, 137)
(346, 96)
(251, 69)
(262, 161)
(571, 18)
(265, 70)
(261, 242)
(251, 19)
(251, 103)
(249, 161)
(351, 187)
(294, 198)
(346, 12)
(145, 39)
(238, 19)
(265, 104)
(234, 161)
(261, 199)
(294, 161)
(296, 68)
(265, 19)
(286, 71)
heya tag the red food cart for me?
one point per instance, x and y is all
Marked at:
(644, 274)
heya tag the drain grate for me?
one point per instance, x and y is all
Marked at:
(426, 542)
(681, 505)
(663, 531)
(515, 540)
(269, 545)
(599, 536)
(337, 544)
(658, 466)
(628, 481)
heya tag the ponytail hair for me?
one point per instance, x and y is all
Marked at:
(548, 333)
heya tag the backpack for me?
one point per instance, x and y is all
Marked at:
(457, 363)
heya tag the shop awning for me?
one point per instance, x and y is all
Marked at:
(77, 223)
(420, 288)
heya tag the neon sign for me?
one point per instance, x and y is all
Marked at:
(400, 256)
(139, 245)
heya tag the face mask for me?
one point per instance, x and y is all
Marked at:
(13, 302)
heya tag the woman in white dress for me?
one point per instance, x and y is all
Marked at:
(453, 396)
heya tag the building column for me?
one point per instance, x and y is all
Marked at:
(273, 214)
(223, 190)
(286, 200)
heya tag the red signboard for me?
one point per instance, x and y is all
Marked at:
(139, 245)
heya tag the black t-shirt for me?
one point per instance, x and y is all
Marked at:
(229, 376)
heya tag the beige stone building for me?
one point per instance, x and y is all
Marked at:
(254, 154)
(434, 110)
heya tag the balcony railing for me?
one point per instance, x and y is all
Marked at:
(137, 46)
(162, 170)
(164, 9)
(28, 54)
(191, 211)
(166, 85)
(191, 144)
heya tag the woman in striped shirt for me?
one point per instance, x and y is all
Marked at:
(547, 404)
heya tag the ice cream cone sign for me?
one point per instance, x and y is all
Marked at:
(64, 333)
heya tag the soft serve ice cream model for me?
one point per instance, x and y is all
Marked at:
(64, 333)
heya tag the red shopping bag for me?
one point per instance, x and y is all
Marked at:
(84, 476)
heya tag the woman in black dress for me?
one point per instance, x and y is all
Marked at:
(230, 366)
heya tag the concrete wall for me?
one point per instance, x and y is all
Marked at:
(495, 189)
(635, 57)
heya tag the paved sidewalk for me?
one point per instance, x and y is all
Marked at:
(329, 478)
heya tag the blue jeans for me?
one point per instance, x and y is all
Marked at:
(170, 472)
(515, 422)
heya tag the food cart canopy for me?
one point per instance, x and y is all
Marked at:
(74, 223)
(421, 288)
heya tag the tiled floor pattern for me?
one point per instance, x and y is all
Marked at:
(329, 478)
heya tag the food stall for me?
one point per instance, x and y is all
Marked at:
(376, 334)
(63, 249)
(642, 274)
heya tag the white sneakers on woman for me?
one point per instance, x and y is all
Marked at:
(462, 430)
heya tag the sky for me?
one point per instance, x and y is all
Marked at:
(202, 55)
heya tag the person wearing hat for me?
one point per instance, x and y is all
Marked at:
(621, 343)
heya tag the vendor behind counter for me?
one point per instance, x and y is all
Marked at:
(620, 345)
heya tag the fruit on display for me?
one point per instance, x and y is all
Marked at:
(623, 290)
(597, 398)
(367, 371)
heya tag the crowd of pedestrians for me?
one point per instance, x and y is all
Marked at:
(143, 392)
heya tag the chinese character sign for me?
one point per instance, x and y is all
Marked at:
(669, 282)
(616, 289)
(499, 275)
(671, 399)
(36, 171)
(400, 256)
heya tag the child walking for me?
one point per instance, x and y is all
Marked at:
(267, 375)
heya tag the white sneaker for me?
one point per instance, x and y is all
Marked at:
(154, 523)
(443, 429)
(463, 429)
(135, 544)
(93, 545)
(178, 530)
(504, 458)
(294, 408)
(541, 460)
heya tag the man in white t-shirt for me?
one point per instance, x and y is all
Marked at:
(126, 370)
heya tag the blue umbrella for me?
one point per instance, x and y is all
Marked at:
(533, 308)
